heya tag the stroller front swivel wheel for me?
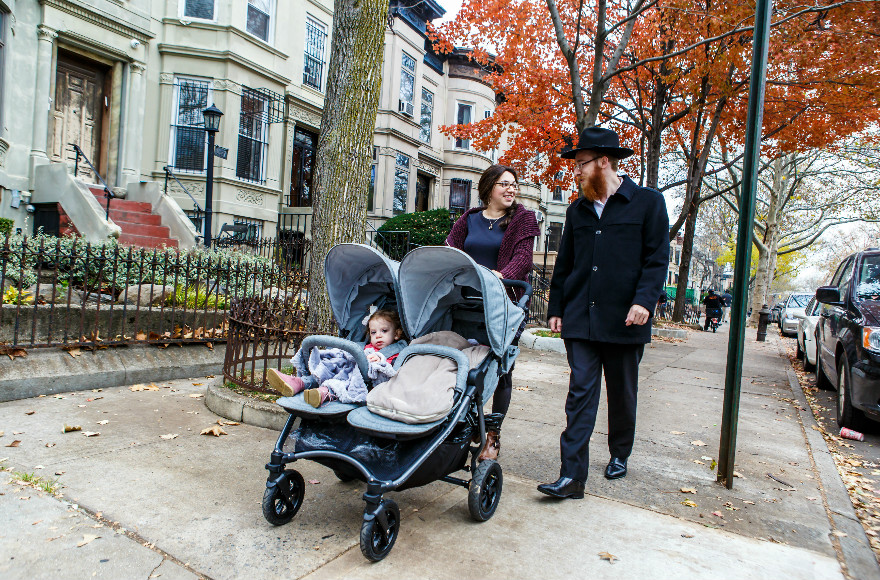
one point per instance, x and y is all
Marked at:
(484, 492)
(283, 500)
(379, 533)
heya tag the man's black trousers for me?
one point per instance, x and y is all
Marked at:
(587, 360)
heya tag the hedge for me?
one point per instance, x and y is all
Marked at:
(426, 228)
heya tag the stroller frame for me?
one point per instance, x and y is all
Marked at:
(285, 488)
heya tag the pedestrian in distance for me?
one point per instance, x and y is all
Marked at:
(610, 269)
(713, 304)
(726, 301)
(499, 235)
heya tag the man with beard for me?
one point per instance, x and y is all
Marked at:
(610, 269)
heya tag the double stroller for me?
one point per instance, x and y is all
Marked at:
(433, 288)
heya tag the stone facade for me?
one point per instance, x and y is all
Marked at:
(127, 81)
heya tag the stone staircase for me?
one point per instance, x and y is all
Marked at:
(140, 227)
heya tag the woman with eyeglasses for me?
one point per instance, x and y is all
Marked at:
(500, 236)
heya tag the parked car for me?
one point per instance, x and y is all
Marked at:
(848, 338)
(806, 334)
(792, 310)
(774, 312)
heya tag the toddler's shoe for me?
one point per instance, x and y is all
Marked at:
(287, 385)
(319, 396)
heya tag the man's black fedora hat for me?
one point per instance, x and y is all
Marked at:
(600, 140)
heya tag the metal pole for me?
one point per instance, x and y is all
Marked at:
(209, 190)
(733, 376)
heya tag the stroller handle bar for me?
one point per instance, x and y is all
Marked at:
(524, 286)
(352, 348)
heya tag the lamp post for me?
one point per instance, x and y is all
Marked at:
(212, 124)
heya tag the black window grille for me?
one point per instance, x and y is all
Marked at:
(557, 190)
(554, 234)
(401, 183)
(316, 37)
(302, 168)
(258, 18)
(199, 9)
(196, 218)
(427, 115)
(252, 137)
(254, 229)
(189, 137)
(459, 195)
(373, 167)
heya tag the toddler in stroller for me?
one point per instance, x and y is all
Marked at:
(331, 374)
(440, 291)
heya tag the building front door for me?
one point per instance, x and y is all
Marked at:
(80, 108)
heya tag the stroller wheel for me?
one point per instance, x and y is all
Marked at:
(485, 490)
(378, 534)
(283, 500)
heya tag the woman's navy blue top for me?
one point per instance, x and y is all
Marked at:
(481, 243)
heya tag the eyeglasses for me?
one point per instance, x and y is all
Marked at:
(508, 185)
(580, 166)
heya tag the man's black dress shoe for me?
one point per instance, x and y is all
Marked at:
(616, 468)
(564, 487)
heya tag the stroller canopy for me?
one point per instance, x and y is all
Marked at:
(359, 276)
(435, 279)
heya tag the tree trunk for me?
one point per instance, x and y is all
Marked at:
(687, 250)
(342, 164)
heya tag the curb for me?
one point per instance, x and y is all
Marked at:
(47, 371)
(530, 340)
(235, 407)
(855, 550)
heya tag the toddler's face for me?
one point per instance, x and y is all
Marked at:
(383, 333)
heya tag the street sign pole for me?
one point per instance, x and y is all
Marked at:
(739, 308)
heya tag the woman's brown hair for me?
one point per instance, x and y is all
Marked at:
(487, 183)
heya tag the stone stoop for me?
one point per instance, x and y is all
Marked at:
(65, 226)
(140, 227)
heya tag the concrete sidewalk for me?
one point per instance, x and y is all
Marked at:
(189, 506)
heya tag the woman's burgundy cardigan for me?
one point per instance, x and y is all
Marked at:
(515, 253)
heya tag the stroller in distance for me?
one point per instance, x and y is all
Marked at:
(434, 289)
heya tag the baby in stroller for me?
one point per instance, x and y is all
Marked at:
(332, 376)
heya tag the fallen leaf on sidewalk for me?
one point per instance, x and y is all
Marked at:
(14, 443)
(197, 384)
(14, 352)
(225, 422)
(91, 433)
(86, 539)
(314, 481)
(698, 443)
(36, 522)
(609, 557)
(748, 502)
(71, 428)
(50, 445)
(150, 387)
(698, 462)
(839, 534)
(95, 399)
(688, 503)
(688, 490)
(678, 432)
(17, 432)
(74, 352)
(738, 474)
(523, 389)
(717, 514)
(2, 433)
(169, 436)
(687, 535)
(104, 422)
(197, 395)
(29, 412)
(215, 430)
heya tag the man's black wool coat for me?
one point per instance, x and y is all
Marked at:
(606, 265)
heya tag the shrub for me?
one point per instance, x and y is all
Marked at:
(13, 296)
(196, 297)
(6, 226)
(426, 228)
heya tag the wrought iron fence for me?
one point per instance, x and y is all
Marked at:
(70, 293)
(540, 294)
(691, 312)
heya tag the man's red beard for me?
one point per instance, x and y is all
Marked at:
(592, 186)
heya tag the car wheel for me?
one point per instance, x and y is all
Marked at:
(847, 415)
(808, 366)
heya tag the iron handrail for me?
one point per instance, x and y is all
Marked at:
(373, 234)
(197, 209)
(107, 193)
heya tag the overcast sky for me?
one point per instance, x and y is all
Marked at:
(451, 7)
